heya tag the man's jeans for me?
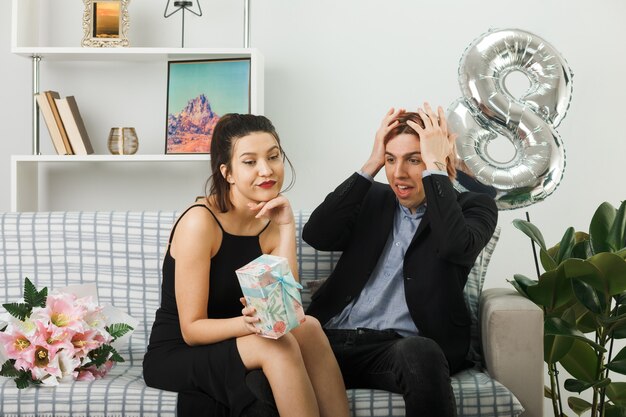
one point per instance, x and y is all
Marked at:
(412, 366)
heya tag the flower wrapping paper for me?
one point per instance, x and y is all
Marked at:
(269, 286)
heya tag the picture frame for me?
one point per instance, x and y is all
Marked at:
(199, 92)
(105, 23)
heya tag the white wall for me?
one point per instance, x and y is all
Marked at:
(332, 69)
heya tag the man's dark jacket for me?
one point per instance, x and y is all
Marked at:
(357, 219)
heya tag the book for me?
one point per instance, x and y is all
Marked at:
(74, 125)
(51, 96)
(53, 128)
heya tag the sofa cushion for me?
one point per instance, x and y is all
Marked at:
(475, 392)
(473, 288)
(119, 251)
(121, 393)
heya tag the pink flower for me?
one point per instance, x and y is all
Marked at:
(85, 342)
(15, 343)
(62, 313)
(280, 327)
(41, 359)
(42, 365)
(92, 372)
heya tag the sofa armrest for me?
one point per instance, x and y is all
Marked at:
(512, 341)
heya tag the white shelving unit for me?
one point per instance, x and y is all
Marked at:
(27, 170)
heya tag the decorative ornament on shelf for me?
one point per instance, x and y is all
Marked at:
(105, 23)
(123, 141)
(182, 5)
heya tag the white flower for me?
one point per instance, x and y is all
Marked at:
(67, 362)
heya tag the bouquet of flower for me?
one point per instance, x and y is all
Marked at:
(51, 337)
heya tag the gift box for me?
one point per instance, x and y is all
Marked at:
(269, 286)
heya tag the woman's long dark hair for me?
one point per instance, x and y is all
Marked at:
(228, 129)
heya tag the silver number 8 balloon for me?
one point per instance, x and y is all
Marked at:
(488, 109)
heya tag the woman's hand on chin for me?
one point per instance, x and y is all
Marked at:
(277, 210)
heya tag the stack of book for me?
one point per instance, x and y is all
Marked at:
(64, 123)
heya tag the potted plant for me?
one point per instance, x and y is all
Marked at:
(582, 292)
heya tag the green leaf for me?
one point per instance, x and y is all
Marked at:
(588, 296)
(585, 271)
(559, 327)
(581, 317)
(552, 291)
(18, 310)
(581, 361)
(518, 288)
(618, 328)
(617, 234)
(616, 391)
(555, 347)
(23, 380)
(602, 383)
(575, 385)
(613, 324)
(613, 271)
(32, 297)
(582, 250)
(619, 333)
(566, 245)
(581, 237)
(612, 410)
(547, 261)
(115, 357)
(578, 405)
(101, 355)
(587, 322)
(618, 363)
(601, 223)
(523, 283)
(118, 330)
(531, 231)
(8, 369)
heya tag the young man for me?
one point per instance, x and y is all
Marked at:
(393, 308)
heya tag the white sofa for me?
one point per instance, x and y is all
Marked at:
(122, 253)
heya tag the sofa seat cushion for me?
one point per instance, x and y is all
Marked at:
(121, 393)
(476, 395)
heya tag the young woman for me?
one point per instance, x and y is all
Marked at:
(203, 343)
